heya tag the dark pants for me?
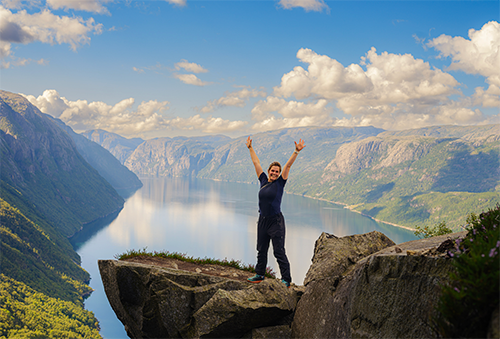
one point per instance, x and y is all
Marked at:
(272, 229)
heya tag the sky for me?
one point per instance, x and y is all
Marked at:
(181, 67)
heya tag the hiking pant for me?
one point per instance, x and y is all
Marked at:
(272, 229)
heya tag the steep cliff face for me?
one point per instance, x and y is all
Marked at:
(178, 157)
(389, 294)
(117, 145)
(41, 167)
(377, 153)
(159, 302)
(231, 161)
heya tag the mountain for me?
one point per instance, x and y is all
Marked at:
(117, 145)
(413, 177)
(48, 193)
(120, 177)
(231, 161)
(179, 156)
(42, 167)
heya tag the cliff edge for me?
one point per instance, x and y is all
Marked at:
(357, 286)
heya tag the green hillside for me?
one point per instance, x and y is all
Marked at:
(48, 193)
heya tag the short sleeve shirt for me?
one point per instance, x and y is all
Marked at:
(270, 195)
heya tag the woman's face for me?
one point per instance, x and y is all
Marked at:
(274, 173)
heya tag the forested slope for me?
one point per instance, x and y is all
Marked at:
(48, 193)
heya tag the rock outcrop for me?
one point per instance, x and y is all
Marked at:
(157, 302)
(359, 286)
(389, 294)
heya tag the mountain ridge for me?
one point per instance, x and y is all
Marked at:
(410, 177)
(48, 193)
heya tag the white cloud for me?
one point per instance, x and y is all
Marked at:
(207, 125)
(119, 118)
(293, 114)
(45, 27)
(18, 4)
(478, 55)
(234, 99)
(394, 92)
(95, 6)
(122, 119)
(307, 5)
(191, 79)
(177, 2)
(190, 67)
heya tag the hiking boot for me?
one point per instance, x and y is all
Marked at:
(286, 283)
(256, 279)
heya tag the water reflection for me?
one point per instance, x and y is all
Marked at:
(203, 218)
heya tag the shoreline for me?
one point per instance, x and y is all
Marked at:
(346, 206)
(350, 208)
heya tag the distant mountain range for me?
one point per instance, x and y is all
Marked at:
(412, 177)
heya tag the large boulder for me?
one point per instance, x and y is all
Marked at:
(388, 294)
(159, 302)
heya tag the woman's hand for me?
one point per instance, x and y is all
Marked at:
(249, 142)
(299, 146)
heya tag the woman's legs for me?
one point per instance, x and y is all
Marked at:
(278, 238)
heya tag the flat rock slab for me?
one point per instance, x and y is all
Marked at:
(160, 302)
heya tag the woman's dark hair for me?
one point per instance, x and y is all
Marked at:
(274, 164)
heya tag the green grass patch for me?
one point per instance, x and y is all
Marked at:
(201, 261)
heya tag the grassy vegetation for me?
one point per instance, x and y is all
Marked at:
(26, 313)
(41, 286)
(201, 261)
(466, 305)
(428, 232)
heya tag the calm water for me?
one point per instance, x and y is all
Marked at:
(204, 218)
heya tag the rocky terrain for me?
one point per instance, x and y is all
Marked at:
(357, 286)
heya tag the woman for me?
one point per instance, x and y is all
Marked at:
(271, 224)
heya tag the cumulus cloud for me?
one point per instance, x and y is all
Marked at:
(191, 79)
(190, 67)
(392, 91)
(82, 115)
(289, 114)
(307, 5)
(45, 27)
(207, 125)
(234, 99)
(95, 6)
(122, 119)
(177, 2)
(480, 54)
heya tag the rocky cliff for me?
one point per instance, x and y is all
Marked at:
(360, 286)
(43, 170)
(177, 157)
(117, 145)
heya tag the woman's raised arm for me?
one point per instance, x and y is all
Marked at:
(255, 159)
(289, 163)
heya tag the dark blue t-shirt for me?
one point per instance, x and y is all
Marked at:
(270, 195)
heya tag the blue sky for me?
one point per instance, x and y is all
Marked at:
(167, 68)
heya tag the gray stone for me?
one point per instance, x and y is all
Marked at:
(494, 328)
(157, 302)
(333, 257)
(386, 295)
